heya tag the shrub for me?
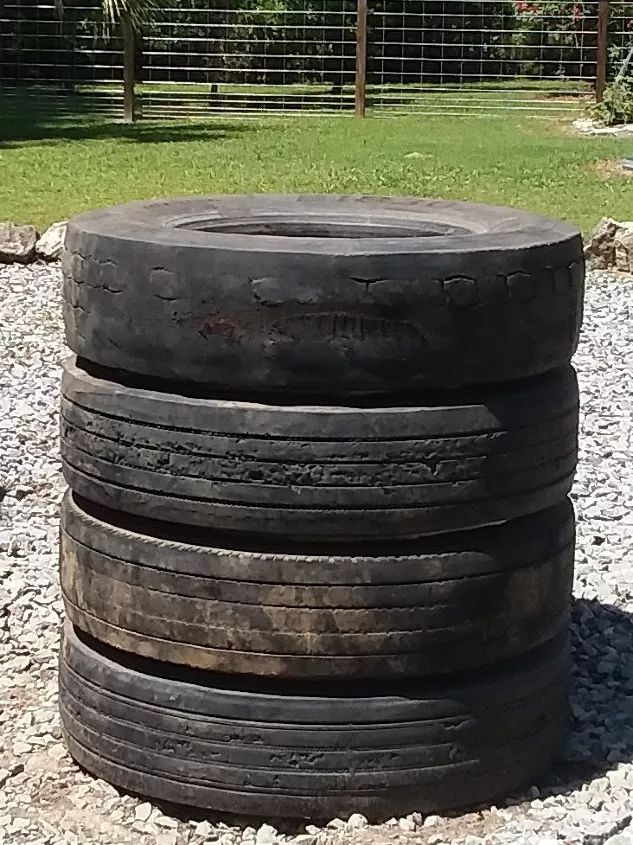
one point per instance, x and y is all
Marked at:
(617, 104)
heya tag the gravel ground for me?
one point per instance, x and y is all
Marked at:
(46, 800)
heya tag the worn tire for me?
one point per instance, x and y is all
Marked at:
(311, 749)
(249, 304)
(308, 472)
(420, 608)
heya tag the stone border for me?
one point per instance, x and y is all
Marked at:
(610, 246)
(589, 126)
(23, 244)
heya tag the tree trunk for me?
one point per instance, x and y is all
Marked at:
(129, 104)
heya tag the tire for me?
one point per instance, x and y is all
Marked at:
(384, 295)
(311, 750)
(302, 471)
(427, 607)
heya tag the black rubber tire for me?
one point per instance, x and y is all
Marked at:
(311, 749)
(498, 296)
(427, 607)
(306, 471)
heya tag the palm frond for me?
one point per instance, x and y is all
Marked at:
(137, 12)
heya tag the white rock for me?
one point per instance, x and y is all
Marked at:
(406, 824)
(266, 835)
(357, 821)
(203, 829)
(337, 824)
(18, 825)
(143, 812)
(165, 821)
(51, 243)
(625, 837)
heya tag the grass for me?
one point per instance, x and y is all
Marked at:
(53, 168)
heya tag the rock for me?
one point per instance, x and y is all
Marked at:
(203, 829)
(600, 249)
(406, 824)
(266, 835)
(357, 821)
(431, 821)
(337, 824)
(143, 812)
(17, 243)
(50, 245)
(168, 838)
(21, 748)
(623, 249)
(624, 837)
(593, 127)
(12, 771)
(57, 752)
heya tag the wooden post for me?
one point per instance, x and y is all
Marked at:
(603, 44)
(129, 105)
(361, 59)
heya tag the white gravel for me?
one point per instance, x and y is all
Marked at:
(46, 800)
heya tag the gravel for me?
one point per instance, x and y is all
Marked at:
(45, 799)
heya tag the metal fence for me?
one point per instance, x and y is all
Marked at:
(201, 57)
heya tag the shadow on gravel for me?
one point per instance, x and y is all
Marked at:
(601, 729)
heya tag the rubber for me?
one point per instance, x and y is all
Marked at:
(311, 750)
(303, 472)
(473, 294)
(419, 608)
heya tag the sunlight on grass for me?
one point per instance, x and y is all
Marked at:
(53, 170)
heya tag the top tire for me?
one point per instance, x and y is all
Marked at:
(322, 295)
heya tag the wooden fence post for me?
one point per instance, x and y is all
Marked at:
(361, 59)
(129, 57)
(604, 10)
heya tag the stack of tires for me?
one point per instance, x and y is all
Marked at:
(317, 550)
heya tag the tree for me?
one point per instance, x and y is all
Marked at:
(129, 16)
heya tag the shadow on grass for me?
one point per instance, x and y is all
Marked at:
(23, 132)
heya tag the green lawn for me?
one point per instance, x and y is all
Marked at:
(52, 169)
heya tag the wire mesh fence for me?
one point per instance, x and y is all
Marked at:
(200, 57)
(487, 56)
